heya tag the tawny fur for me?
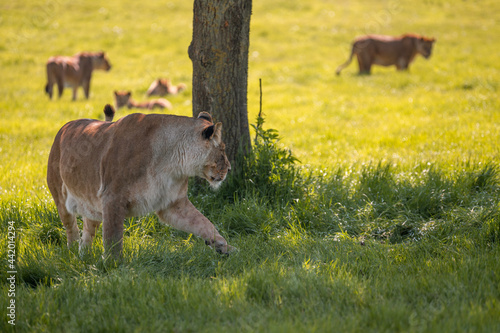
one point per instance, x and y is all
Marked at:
(74, 72)
(162, 87)
(387, 51)
(124, 98)
(108, 171)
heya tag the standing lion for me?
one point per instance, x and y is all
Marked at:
(388, 51)
(74, 71)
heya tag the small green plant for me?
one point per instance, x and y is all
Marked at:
(268, 171)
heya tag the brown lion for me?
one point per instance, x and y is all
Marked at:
(75, 71)
(108, 171)
(388, 51)
(162, 87)
(124, 98)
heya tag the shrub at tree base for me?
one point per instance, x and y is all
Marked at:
(268, 191)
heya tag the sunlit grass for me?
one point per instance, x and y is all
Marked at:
(441, 111)
(290, 281)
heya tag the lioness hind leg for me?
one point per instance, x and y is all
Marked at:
(184, 216)
(365, 64)
(51, 80)
(60, 86)
(89, 230)
(69, 222)
(48, 89)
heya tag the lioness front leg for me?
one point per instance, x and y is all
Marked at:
(75, 88)
(184, 216)
(112, 229)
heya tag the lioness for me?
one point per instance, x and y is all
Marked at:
(387, 51)
(74, 71)
(141, 163)
(124, 98)
(162, 87)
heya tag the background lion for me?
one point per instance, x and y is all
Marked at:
(387, 51)
(162, 87)
(75, 71)
(124, 98)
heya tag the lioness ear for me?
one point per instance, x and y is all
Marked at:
(205, 115)
(208, 132)
(109, 112)
(213, 131)
(218, 131)
(116, 93)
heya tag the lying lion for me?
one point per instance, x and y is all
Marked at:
(387, 51)
(124, 98)
(75, 71)
(107, 171)
(162, 87)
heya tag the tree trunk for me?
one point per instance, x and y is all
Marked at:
(219, 52)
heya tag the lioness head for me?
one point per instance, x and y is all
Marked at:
(216, 165)
(424, 46)
(122, 98)
(163, 87)
(100, 61)
(159, 87)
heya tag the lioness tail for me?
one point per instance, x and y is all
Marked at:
(109, 112)
(344, 65)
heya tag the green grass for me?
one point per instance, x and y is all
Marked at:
(389, 221)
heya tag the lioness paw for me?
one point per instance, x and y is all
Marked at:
(220, 246)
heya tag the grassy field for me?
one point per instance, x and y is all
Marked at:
(389, 221)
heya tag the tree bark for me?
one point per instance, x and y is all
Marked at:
(219, 52)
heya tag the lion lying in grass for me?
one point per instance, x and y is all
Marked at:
(162, 87)
(124, 98)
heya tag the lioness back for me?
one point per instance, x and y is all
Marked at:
(120, 149)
